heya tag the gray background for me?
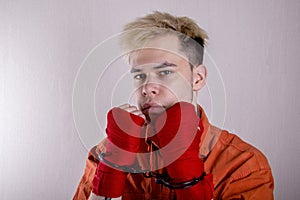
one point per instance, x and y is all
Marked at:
(255, 45)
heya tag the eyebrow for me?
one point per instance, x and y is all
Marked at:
(163, 65)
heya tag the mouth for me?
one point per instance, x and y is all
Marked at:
(151, 107)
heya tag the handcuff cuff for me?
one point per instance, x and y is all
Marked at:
(162, 179)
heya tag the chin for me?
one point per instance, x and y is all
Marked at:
(156, 110)
(152, 113)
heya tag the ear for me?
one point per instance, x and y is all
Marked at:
(199, 77)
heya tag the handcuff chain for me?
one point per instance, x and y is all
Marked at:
(163, 179)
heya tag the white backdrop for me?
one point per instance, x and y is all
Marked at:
(255, 45)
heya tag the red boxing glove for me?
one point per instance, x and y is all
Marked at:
(179, 132)
(123, 134)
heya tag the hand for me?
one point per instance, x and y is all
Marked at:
(129, 108)
(132, 109)
(179, 133)
(123, 140)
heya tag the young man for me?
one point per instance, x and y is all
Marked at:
(165, 148)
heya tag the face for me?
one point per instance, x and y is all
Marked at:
(162, 76)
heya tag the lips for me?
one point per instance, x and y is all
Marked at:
(147, 106)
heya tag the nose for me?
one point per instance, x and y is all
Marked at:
(150, 89)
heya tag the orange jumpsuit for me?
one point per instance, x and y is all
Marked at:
(240, 171)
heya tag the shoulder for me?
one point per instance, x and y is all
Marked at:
(239, 169)
(237, 147)
(232, 157)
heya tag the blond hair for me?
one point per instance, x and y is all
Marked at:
(191, 37)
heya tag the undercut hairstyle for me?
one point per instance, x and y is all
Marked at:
(191, 37)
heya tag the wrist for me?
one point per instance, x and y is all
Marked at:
(186, 169)
(123, 131)
(108, 182)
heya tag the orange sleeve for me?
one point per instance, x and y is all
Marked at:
(84, 188)
(257, 185)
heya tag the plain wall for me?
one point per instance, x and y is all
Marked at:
(255, 45)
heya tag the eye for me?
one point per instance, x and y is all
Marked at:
(139, 76)
(165, 72)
